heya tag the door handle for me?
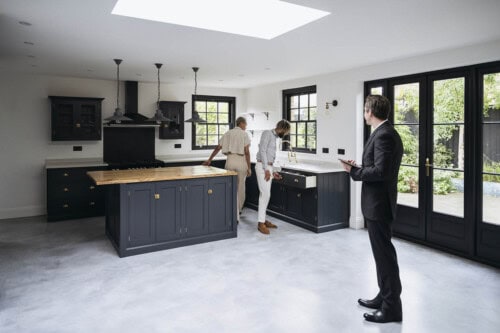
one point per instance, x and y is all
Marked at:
(428, 167)
(157, 196)
(210, 191)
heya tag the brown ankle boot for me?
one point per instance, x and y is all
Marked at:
(262, 228)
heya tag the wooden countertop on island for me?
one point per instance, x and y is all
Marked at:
(157, 174)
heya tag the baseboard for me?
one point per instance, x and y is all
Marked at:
(357, 222)
(25, 211)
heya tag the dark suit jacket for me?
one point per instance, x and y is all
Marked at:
(381, 160)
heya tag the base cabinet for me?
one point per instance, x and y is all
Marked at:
(322, 208)
(145, 217)
(71, 194)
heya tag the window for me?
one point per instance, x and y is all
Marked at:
(299, 107)
(219, 113)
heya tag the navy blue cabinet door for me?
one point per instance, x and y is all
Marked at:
(168, 211)
(219, 204)
(141, 214)
(196, 207)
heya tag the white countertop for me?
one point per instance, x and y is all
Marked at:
(310, 166)
(74, 163)
(189, 157)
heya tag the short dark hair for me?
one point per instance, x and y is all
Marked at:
(240, 120)
(283, 124)
(379, 105)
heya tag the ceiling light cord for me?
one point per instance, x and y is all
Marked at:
(195, 82)
(158, 101)
(117, 85)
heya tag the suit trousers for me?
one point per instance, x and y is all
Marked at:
(238, 163)
(386, 262)
(264, 189)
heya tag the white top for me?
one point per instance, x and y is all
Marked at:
(234, 141)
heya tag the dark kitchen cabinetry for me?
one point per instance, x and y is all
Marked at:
(152, 216)
(324, 207)
(71, 194)
(75, 118)
(175, 128)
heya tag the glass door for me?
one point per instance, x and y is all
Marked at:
(445, 163)
(488, 180)
(407, 99)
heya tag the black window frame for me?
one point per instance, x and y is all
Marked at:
(287, 94)
(210, 98)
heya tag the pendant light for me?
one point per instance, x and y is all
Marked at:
(158, 117)
(196, 117)
(118, 116)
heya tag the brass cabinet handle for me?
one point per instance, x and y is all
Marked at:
(157, 196)
(91, 187)
(210, 191)
(296, 180)
(65, 206)
(428, 165)
(65, 189)
(299, 195)
(92, 203)
(77, 125)
(65, 174)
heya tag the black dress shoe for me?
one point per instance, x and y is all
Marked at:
(383, 316)
(375, 303)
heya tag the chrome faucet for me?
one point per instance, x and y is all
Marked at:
(291, 153)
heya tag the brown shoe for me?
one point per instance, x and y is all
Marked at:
(262, 228)
(271, 225)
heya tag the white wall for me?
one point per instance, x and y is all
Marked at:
(25, 131)
(25, 118)
(342, 126)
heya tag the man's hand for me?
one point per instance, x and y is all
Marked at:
(206, 163)
(249, 172)
(277, 176)
(348, 167)
(267, 177)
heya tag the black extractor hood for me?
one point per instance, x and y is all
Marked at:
(132, 104)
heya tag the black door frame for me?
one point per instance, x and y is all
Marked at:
(480, 244)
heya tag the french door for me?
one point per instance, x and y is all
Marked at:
(449, 180)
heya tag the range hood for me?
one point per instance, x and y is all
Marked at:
(132, 105)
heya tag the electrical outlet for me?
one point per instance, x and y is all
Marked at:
(341, 151)
(326, 150)
(177, 145)
(77, 148)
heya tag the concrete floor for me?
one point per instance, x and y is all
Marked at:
(66, 277)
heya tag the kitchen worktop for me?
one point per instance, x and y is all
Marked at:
(74, 163)
(188, 158)
(157, 174)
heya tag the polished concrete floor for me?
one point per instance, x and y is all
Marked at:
(66, 277)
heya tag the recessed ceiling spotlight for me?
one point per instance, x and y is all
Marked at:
(182, 77)
(29, 43)
(34, 66)
(90, 70)
(241, 75)
(221, 80)
(31, 56)
(25, 23)
(274, 17)
(138, 74)
(267, 69)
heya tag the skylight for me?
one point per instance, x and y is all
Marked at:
(265, 19)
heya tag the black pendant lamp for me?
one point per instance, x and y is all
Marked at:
(196, 117)
(158, 117)
(118, 116)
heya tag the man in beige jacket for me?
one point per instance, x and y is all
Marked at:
(235, 144)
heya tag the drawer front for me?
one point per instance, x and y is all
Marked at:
(66, 175)
(297, 180)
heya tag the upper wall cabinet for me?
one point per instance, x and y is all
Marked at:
(75, 118)
(175, 128)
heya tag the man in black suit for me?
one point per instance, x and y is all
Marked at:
(379, 173)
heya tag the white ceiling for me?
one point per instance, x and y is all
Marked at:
(80, 38)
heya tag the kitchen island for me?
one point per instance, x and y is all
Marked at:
(155, 209)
